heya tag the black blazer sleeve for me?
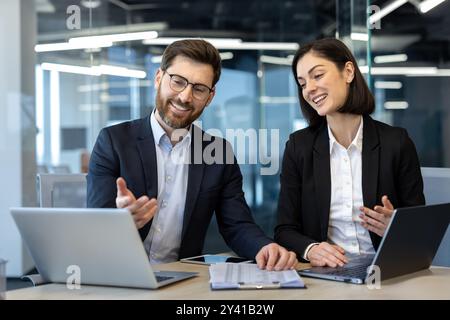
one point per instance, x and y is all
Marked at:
(390, 166)
(409, 181)
(234, 217)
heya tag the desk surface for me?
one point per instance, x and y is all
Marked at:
(433, 283)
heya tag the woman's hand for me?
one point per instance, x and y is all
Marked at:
(377, 220)
(326, 255)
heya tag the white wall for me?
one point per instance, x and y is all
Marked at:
(17, 164)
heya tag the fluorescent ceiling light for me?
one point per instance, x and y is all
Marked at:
(92, 50)
(386, 10)
(391, 58)
(276, 60)
(89, 107)
(223, 56)
(40, 123)
(120, 71)
(396, 105)
(217, 42)
(156, 59)
(61, 46)
(282, 46)
(406, 71)
(94, 87)
(364, 69)
(230, 44)
(427, 5)
(439, 73)
(105, 97)
(108, 85)
(69, 69)
(359, 36)
(443, 72)
(91, 4)
(388, 85)
(118, 37)
(44, 6)
(55, 111)
(226, 55)
(95, 42)
(95, 70)
(278, 100)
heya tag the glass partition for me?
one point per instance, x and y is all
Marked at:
(96, 62)
(411, 72)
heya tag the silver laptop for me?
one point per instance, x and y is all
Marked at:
(410, 243)
(102, 244)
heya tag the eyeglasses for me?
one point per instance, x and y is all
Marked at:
(178, 83)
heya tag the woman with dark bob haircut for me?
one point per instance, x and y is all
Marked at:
(344, 174)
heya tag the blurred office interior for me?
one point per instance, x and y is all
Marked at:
(71, 67)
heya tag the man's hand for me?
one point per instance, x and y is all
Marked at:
(141, 209)
(377, 220)
(327, 255)
(275, 257)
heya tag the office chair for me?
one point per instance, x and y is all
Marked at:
(58, 191)
(437, 190)
(61, 190)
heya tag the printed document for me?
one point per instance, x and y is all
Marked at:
(249, 276)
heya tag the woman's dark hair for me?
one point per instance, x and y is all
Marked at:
(195, 49)
(359, 101)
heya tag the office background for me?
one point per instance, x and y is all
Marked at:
(59, 85)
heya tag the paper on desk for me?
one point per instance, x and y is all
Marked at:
(238, 275)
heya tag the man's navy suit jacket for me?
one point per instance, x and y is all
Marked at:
(128, 150)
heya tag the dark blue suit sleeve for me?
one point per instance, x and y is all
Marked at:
(234, 218)
(288, 231)
(103, 172)
(409, 180)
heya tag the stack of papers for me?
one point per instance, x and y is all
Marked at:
(249, 276)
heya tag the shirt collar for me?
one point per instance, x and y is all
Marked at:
(357, 141)
(159, 133)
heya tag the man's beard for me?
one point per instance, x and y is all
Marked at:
(162, 106)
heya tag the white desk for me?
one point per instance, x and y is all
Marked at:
(433, 283)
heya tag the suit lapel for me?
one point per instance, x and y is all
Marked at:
(147, 153)
(370, 167)
(370, 162)
(195, 176)
(322, 177)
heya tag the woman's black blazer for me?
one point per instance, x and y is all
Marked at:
(390, 166)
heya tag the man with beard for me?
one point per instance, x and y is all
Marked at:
(148, 167)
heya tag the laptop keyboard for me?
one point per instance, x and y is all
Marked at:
(163, 278)
(359, 271)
